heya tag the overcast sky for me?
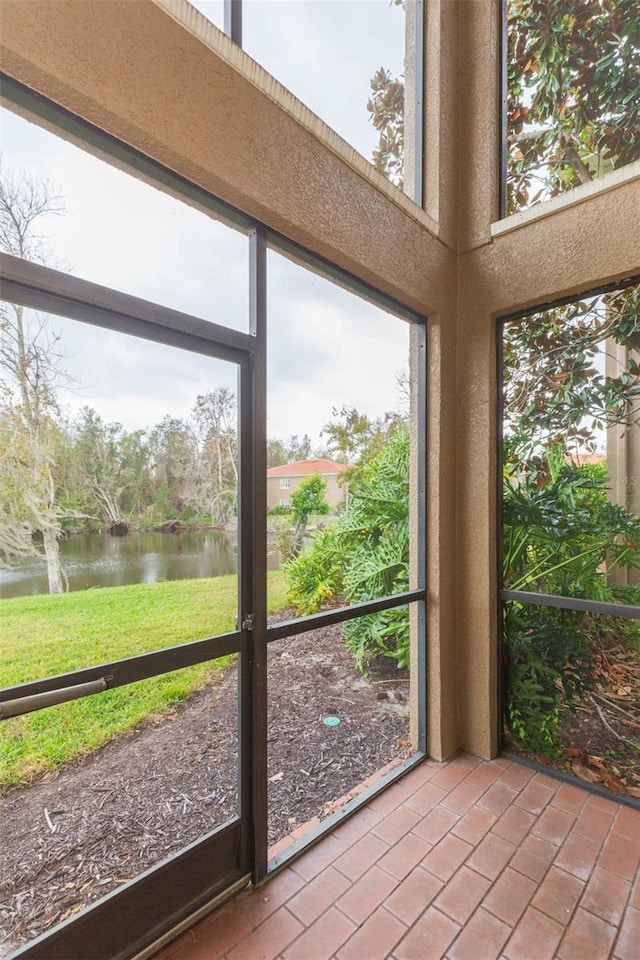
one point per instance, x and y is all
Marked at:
(326, 348)
(325, 52)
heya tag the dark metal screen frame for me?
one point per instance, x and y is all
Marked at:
(300, 625)
(39, 287)
(628, 611)
(233, 20)
(419, 94)
(120, 922)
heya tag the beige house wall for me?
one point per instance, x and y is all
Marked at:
(157, 76)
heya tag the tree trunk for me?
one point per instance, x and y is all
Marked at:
(54, 567)
(299, 532)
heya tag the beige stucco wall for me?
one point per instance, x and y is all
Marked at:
(161, 79)
(206, 110)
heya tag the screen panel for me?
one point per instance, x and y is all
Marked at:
(85, 216)
(119, 478)
(96, 792)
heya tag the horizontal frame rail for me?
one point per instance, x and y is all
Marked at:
(289, 628)
(21, 705)
(42, 288)
(629, 611)
(118, 673)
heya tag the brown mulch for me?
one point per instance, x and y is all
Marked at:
(77, 833)
(603, 733)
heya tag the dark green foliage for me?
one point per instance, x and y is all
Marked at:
(554, 391)
(573, 97)
(561, 532)
(364, 555)
(561, 536)
(548, 662)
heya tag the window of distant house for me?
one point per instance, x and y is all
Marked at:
(285, 483)
(284, 502)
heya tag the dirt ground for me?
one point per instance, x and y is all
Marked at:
(74, 835)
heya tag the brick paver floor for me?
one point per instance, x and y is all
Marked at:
(466, 860)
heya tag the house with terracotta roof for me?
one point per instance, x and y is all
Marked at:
(282, 481)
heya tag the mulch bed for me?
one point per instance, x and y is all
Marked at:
(77, 833)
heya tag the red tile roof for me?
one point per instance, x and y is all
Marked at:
(581, 458)
(304, 468)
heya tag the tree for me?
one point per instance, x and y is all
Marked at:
(347, 433)
(574, 93)
(307, 499)
(104, 470)
(554, 391)
(386, 106)
(280, 452)
(174, 466)
(355, 438)
(30, 370)
(216, 418)
(573, 97)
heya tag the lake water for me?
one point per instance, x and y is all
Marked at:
(99, 560)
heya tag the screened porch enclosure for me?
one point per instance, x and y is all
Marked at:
(229, 275)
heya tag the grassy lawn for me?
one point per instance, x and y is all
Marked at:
(45, 635)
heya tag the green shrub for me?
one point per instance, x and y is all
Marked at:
(363, 556)
(548, 665)
(315, 576)
(562, 536)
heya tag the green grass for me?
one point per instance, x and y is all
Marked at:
(45, 635)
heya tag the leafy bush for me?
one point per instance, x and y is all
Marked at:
(562, 536)
(364, 555)
(548, 664)
(315, 576)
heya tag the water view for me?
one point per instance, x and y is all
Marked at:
(101, 560)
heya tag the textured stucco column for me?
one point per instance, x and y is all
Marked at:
(475, 585)
(442, 560)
